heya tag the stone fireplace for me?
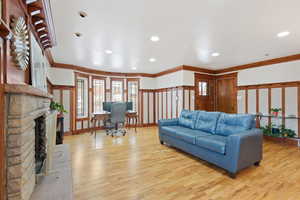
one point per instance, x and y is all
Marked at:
(27, 114)
(40, 144)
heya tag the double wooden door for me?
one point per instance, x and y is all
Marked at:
(216, 93)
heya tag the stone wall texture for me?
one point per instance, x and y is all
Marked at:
(21, 111)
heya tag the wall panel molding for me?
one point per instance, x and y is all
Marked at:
(280, 100)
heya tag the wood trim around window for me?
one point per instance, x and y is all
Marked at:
(123, 88)
(138, 91)
(97, 78)
(77, 75)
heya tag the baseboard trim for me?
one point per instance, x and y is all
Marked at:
(86, 130)
(287, 141)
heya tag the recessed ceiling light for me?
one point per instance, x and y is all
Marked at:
(82, 14)
(215, 54)
(155, 38)
(152, 60)
(108, 51)
(133, 68)
(283, 34)
(78, 34)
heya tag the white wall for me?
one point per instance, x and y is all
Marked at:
(282, 72)
(188, 78)
(170, 80)
(147, 83)
(178, 78)
(59, 76)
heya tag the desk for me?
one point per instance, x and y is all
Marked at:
(104, 115)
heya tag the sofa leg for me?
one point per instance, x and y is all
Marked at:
(232, 175)
(257, 163)
(161, 142)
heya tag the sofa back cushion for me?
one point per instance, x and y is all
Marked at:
(207, 121)
(187, 118)
(229, 124)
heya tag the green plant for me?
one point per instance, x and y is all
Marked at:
(276, 110)
(268, 129)
(285, 132)
(57, 106)
(281, 131)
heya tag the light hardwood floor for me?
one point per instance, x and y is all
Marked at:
(137, 167)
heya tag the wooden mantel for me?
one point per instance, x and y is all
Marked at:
(26, 89)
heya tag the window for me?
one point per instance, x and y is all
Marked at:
(203, 88)
(133, 93)
(80, 98)
(99, 94)
(117, 90)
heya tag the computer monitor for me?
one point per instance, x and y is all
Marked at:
(129, 106)
(107, 106)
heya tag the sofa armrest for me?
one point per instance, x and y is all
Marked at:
(245, 149)
(168, 122)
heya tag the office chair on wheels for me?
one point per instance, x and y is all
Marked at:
(116, 124)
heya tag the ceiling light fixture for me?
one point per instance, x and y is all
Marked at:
(133, 68)
(152, 60)
(215, 54)
(283, 34)
(78, 34)
(154, 38)
(82, 14)
(108, 51)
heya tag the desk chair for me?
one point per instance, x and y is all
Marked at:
(117, 119)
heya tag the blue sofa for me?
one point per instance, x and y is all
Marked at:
(229, 141)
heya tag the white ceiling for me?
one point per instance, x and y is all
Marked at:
(242, 31)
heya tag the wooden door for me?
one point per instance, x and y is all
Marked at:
(226, 93)
(205, 92)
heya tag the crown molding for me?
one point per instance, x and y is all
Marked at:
(264, 63)
(260, 64)
(99, 72)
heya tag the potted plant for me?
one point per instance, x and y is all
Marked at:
(288, 133)
(275, 111)
(58, 107)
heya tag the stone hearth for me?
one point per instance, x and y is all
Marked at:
(22, 109)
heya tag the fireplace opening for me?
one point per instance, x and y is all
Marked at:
(40, 144)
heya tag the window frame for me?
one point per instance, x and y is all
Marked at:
(200, 88)
(93, 93)
(82, 76)
(111, 90)
(138, 89)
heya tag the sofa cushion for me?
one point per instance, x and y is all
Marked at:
(216, 143)
(207, 121)
(186, 134)
(229, 124)
(187, 118)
